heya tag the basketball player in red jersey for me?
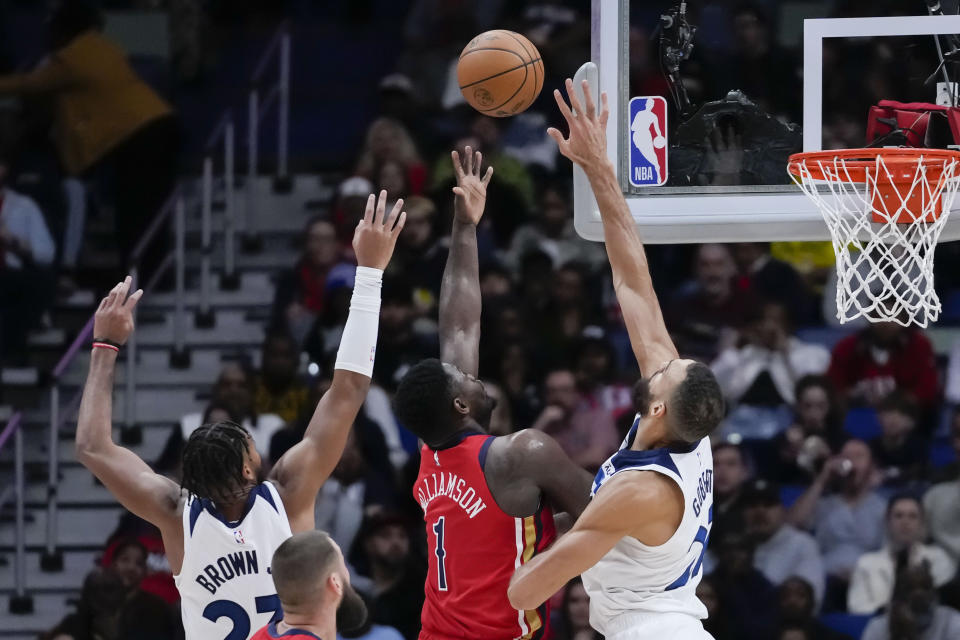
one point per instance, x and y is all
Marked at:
(487, 500)
(313, 585)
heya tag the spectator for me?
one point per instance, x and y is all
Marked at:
(914, 612)
(400, 345)
(797, 607)
(501, 420)
(709, 593)
(704, 314)
(300, 295)
(885, 356)
(901, 454)
(781, 550)
(871, 586)
(588, 435)
(568, 312)
(389, 175)
(575, 614)
(323, 338)
(112, 606)
(361, 484)
(348, 209)
(514, 371)
(772, 279)
(233, 401)
(595, 370)
(730, 474)
(278, 390)
(951, 471)
(552, 232)
(389, 141)
(368, 630)
(106, 118)
(943, 517)
(159, 578)
(815, 434)
(748, 601)
(759, 376)
(420, 258)
(27, 282)
(846, 522)
(396, 581)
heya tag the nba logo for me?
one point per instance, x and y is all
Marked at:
(648, 141)
(238, 536)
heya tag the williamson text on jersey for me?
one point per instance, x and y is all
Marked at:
(451, 486)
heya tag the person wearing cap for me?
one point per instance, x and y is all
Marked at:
(781, 550)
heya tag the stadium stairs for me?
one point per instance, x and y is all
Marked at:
(88, 514)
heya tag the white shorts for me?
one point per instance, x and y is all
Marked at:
(655, 626)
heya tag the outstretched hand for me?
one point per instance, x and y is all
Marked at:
(377, 233)
(113, 320)
(471, 189)
(586, 143)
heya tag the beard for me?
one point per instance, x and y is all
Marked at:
(352, 612)
(641, 396)
(483, 412)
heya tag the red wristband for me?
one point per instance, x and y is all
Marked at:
(104, 345)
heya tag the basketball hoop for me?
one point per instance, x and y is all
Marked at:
(885, 209)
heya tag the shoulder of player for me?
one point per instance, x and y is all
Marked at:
(524, 449)
(640, 492)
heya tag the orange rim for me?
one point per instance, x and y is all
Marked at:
(901, 162)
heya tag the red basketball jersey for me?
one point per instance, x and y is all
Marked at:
(270, 632)
(473, 548)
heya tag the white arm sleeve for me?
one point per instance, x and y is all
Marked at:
(358, 345)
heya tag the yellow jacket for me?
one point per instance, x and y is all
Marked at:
(98, 99)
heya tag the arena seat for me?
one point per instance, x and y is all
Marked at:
(862, 423)
(941, 453)
(848, 623)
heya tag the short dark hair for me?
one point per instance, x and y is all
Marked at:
(213, 461)
(422, 401)
(300, 565)
(696, 407)
(901, 497)
(899, 402)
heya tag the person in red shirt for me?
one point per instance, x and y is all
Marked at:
(487, 501)
(313, 585)
(885, 356)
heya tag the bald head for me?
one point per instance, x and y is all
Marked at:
(301, 566)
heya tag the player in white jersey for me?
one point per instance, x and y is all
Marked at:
(221, 528)
(640, 542)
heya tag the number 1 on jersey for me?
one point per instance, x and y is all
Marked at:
(441, 553)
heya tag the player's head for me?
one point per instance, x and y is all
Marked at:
(682, 399)
(435, 400)
(220, 463)
(312, 580)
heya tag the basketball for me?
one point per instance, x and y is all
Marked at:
(659, 142)
(500, 73)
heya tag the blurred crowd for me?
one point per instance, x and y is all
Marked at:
(836, 479)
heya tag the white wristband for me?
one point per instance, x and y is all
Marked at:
(358, 345)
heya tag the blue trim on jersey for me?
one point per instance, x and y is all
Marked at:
(196, 508)
(260, 490)
(272, 632)
(627, 458)
(456, 439)
(482, 456)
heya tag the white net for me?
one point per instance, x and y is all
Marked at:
(883, 239)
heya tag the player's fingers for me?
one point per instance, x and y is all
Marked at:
(591, 106)
(124, 288)
(394, 213)
(477, 162)
(133, 299)
(564, 109)
(457, 167)
(381, 207)
(486, 177)
(604, 109)
(554, 133)
(402, 220)
(457, 191)
(574, 100)
(113, 294)
(468, 160)
(368, 213)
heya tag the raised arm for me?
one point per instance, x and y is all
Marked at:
(586, 145)
(460, 290)
(139, 489)
(631, 504)
(302, 470)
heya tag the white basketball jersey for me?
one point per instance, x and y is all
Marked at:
(636, 578)
(225, 584)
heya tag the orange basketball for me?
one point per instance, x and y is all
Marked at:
(500, 73)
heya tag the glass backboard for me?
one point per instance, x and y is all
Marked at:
(761, 81)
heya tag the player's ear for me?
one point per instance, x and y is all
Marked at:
(658, 409)
(335, 583)
(460, 406)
